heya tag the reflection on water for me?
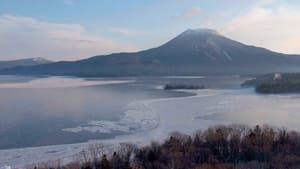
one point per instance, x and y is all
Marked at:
(227, 106)
(57, 110)
(246, 107)
(35, 111)
(57, 82)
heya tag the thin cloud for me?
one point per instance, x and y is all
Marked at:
(126, 31)
(274, 28)
(189, 13)
(72, 40)
(28, 37)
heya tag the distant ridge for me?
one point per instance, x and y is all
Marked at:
(193, 52)
(23, 62)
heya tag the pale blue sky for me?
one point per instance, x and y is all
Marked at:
(73, 29)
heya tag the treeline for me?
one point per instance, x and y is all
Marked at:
(273, 77)
(278, 87)
(182, 86)
(222, 147)
(276, 83)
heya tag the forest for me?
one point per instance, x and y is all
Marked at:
(275, 83)
(219, 147)
(278, 87)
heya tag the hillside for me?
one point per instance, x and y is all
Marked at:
(193, 52)
(23, 62)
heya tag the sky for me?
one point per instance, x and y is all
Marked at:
(77, 29)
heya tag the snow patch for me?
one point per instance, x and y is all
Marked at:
(40, 59)
(199, 31)
(227, 55)
(159, 87)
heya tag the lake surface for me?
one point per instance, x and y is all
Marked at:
(58, 111)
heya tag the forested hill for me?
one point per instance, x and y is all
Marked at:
(276, 83)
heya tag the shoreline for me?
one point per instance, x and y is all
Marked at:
(209, 107)
(65, 152)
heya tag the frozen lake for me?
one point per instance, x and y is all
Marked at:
(138, 110)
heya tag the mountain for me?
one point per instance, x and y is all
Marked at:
(193, 52)
(23, 62)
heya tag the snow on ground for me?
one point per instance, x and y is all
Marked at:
(228, 57)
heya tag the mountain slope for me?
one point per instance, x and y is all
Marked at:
(193, 52)
(23, 62)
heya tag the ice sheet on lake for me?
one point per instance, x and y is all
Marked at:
(185, 114)
(139, 116)
(5, 167)
(61, 82)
